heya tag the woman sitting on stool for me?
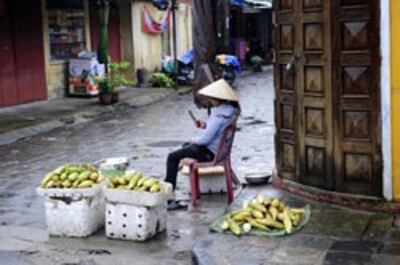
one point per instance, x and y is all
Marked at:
(225, 109)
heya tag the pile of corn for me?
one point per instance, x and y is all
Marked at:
(135, 181)
(265, 214)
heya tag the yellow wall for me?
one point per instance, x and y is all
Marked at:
(149, 49)
(395, 79)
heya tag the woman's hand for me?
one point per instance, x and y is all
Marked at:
(200, 124)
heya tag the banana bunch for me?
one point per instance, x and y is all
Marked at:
(265, 214)
(72, 177)
(136, 181)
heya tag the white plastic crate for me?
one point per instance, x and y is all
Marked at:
(212, 179)
(74, 212)
(138, 223)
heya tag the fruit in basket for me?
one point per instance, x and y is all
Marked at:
(141, 181)
(135, 181)
(70, 176)
(156, 187)
(73, 176)
(64, 176)
(93, 176)
(67, 184)
(263, 214)
(86, 184)
(150, 182)
(84, 176)
(123, 181)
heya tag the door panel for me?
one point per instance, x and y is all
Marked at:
(29, 50)
(286, 92)
(313, 71)
(22, 74)
(357, 102)
(8, 82)
(327, 103)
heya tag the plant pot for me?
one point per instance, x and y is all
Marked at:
(114, 97)
(142, 75)
(106, 98)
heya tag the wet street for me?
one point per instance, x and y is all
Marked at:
(334, 235)
(145, 135)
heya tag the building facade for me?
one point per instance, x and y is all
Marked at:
(38, 37)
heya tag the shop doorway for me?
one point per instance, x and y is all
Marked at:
(22, 70)
(327, 85)
(251, 33)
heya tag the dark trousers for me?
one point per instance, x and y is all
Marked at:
(200, 153)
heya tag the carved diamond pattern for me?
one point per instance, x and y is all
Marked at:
(287, 117)
(314, 121)
(313, 37)
(287, 78)
(287, 37)
(355, 35)
(288, 156)
(358, 167)
(356, 81)
(357, 124)
(313, 79)
(315, 160)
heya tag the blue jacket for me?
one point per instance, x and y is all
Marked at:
(220, 117)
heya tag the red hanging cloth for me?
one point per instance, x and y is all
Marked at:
(149, 25)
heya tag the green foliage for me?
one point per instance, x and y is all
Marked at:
(162, 80)
(103, 14)
(116, 77)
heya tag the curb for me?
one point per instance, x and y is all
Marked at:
(88, 114)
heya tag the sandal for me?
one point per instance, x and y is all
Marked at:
(176, 205)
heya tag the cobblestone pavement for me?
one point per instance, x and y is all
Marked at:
(145, 135)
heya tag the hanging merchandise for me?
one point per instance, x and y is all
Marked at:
(161, 4)
(149, 25)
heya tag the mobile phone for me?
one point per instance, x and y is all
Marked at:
(192, 116)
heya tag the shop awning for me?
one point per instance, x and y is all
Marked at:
(262, 4)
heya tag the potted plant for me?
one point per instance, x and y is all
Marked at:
(106, 92)
(114, 79)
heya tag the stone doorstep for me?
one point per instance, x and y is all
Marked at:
(356, 202)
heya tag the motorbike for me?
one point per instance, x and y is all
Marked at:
(227, 67)
(185, 75)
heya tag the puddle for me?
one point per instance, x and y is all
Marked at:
(255, 122)
(7, 195)
(94, 251)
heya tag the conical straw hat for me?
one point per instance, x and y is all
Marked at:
(220, 90)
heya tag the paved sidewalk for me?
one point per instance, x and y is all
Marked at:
(334, 236)
(30, 119)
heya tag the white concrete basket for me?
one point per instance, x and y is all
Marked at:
(74, 212)
(137, 223)
(71, 193)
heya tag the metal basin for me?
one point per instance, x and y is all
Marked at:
(257, 178)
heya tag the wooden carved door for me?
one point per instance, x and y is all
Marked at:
(356, 57)
(324, 105)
